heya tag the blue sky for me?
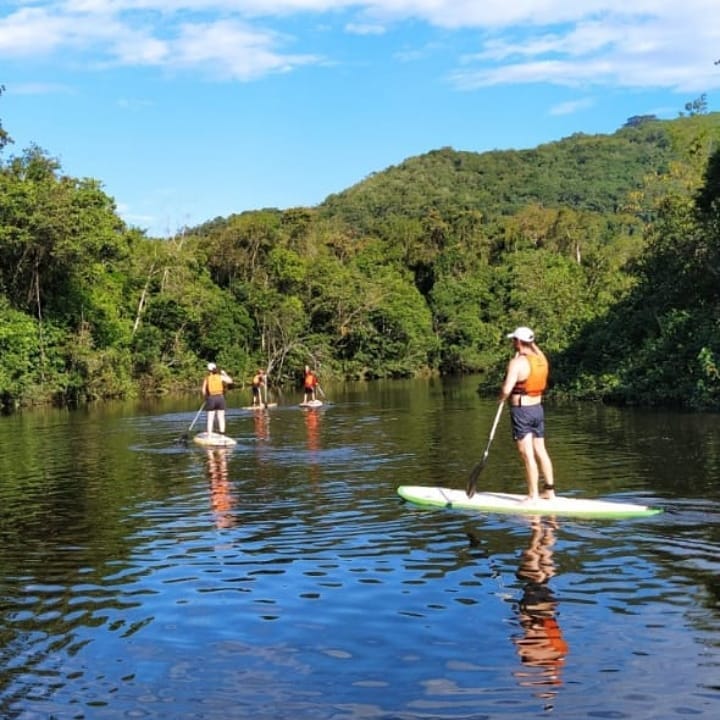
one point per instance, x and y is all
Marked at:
(187, 110)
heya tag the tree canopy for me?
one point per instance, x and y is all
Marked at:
(606, 244)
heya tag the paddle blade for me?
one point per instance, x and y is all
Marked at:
(474, 475)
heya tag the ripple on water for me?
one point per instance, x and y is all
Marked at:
(285, 579)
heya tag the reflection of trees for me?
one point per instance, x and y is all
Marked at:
(541, 645)
(221, 497)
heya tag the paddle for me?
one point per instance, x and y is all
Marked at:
(265, 402)
(184, 437)
(475, 472)
(320, 390)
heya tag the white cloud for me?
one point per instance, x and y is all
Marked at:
(646, 43)
(365, 29)
(661, 51)
(572, 106)
(39, 89)
(232, 49)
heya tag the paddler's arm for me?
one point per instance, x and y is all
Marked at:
(512, 376)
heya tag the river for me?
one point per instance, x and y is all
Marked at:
(143, 577)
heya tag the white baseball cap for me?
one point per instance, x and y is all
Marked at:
(212, 366)
(524, 334)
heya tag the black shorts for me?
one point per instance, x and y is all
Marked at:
(215, 402)
(256, 391)
(527, 420)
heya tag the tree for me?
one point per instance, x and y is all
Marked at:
(699, 106)
(5, 139)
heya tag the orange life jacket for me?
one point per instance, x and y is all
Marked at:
(215, 385)
(536, 381)
(310, 380)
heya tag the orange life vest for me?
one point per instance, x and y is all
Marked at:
(215, 385)
(536, 381)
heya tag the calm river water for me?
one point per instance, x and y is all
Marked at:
(285, 579)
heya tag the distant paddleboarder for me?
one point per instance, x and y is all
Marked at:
(259, 379)
(213, 389)
(310, 384)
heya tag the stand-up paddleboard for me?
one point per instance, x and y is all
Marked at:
(509, 503)
(214, 440)
(259, 407)
(311, 404)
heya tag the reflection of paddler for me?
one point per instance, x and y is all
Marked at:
(221, 498)
(261, 423)
(542, 645)
(312, 424)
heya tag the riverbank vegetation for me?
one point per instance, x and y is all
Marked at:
(607, 244)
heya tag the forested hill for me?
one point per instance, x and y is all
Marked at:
(607, 245)
(584, 172)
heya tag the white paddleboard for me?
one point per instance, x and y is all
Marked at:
(312, 403)
(214, 440)
(259, 407)
(509, 503)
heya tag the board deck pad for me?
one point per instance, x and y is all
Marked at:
(510, 503)
(214, 440)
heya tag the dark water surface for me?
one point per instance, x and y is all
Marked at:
(142, 578)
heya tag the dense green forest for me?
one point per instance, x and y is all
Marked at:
(608, 245)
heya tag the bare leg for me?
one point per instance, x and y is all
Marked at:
(525, 448)
(210, 421)
(546, 466)
(221, 421)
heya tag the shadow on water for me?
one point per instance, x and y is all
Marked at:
(284, 578)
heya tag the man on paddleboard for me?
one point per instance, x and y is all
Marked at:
(524, 385)
(257, 383)
(310, 383)
(213, 390)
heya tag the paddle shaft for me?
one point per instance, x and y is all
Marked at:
(475, 473)
(195, 419)
(494, 427)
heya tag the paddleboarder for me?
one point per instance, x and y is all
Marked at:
(310, 383)
(213, 389)
(525, 382)
(257, 384)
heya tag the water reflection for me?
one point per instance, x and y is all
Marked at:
(222, 500)
(261, 423)
(312, 426)
(117, 584)
(541, 645)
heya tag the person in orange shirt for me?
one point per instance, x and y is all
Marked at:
(213, 390)
(310, 384)
(525, 382)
